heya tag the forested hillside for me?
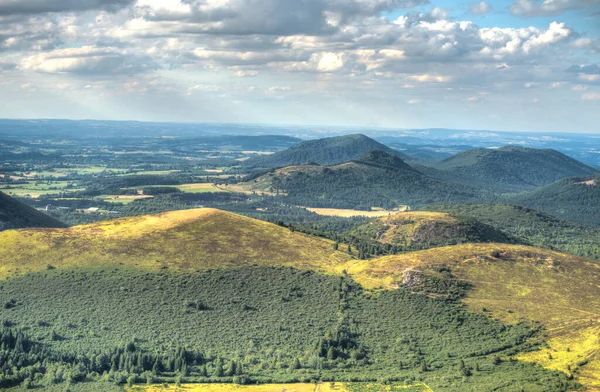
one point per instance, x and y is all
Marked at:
(16, 215)
(572, 199)
(532, 227)
(512, 168)
(377, 179)
(327, 151)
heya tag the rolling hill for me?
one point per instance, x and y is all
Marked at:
(516, 283)
(185, 240)
(327, 151)
(15, 215)
(511, 168)
(574, 199)
(532, 227)
(376, 179)
(209, 296)
(417, 230)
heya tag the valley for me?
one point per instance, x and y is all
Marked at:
(257, 262)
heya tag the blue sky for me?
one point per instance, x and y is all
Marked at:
(521, 65)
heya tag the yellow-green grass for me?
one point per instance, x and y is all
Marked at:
(321, 387)
(122, 199)
(200, 188)
(179, 240)
(517, 283)
(350, 213)
(403, 225)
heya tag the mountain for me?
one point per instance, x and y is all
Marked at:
(532, 227)
(204, 296)
(376, 179)
(574, 199)
(512, 168)
(16, 215)
(515, 284)
(416, 230)
(327, 151)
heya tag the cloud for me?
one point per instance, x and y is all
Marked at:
(273, 17)
(529, 8)
(591, 97)
(86, 60)
(589, 69)
(12, 7)
(480, 8)
(329, 62)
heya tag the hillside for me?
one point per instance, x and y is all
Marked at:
(416, 230)
(512, 168)
(516, 283)
(377, 179)
(15, 215)
(111, 305)
(327, 151)
(572, 199)
(532, 227)
(185, 240)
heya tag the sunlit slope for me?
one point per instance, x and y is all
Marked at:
(423, 229)
(179, 240)
(517, 283)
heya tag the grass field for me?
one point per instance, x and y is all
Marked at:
(200, 188)
(321, 387)
(36, 189)
(122, 199)
(350, 213)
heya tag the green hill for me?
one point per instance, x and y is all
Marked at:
(572, 199)
(415, 230)
(377, 179)
(208, 296)
(512, 168)
(327, 151)
(185, 240)
(515, 284)
(532, 227)
(15, 215)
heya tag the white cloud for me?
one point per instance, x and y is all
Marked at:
(480, 8)
(591, 97)
(86, 60)
(330, 62)
(548, 7)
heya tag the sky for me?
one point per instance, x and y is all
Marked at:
(516, 65)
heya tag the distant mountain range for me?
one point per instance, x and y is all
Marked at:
(376, 179)
(327, 151)
(510, 168)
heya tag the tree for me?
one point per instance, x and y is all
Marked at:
(218, 369)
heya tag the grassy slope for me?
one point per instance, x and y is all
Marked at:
(421, 230)
(180, 240)
(518, 283)
(532, 227)
(14, 214)
(514, 282)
